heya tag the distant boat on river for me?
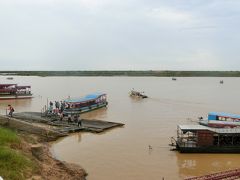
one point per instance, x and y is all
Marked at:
(9, 78)
(221, 82)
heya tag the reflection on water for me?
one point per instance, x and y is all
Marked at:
(200, 164)
(100, 113)
(124, 153)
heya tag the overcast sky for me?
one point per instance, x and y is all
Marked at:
(119, 35)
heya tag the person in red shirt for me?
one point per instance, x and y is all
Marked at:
(11, 110)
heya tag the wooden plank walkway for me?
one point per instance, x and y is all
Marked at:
(91, 125)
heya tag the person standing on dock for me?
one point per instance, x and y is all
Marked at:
(11, 110)
(61, 116)
(51, 107)
(62, 107)
(57, 105)
(79, 121)
(69, 118)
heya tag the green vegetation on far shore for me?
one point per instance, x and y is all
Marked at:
(13, 164)
(126, 73)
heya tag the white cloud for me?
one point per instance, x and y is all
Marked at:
(120, 34)
(199, 59)
(168, 14)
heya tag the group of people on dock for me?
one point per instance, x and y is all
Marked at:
(59, 107)
(75, 118)
(58, 110)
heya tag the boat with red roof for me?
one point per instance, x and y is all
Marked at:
(13, 91)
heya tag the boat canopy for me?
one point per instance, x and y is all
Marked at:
(88, 97)
(23, 87)
(186, 128)
(214, 115)
(7, 85)
(195, 128)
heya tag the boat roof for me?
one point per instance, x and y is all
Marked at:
(7, 85)
(18, 87)
(23, 87)
(186, 128)
(193, 127)
(222, 114)
(88, 97)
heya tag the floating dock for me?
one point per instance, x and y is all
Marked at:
(88, 125)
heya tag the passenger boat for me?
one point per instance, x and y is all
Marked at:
(174, 79)
(137, 94)
(221, 120)
(13, 91)
(203, 139)
(85, 104)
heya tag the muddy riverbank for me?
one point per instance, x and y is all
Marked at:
(35, 145)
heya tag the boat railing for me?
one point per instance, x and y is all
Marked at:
(187, 142)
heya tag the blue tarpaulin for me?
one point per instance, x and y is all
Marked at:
(88, 97)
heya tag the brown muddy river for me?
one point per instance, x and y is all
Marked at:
(123, 153)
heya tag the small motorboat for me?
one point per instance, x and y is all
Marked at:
(174, 79)
(137, 94)
(9, 78)
(221, 82)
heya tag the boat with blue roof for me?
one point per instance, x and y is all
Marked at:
(85, 104)
(221, 120)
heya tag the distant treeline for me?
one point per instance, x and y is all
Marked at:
(126, 73)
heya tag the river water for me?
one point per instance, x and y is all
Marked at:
(123, 153)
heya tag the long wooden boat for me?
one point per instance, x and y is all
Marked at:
(13, 91)
(203, 139)
(85, 104)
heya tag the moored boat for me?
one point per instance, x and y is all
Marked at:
(85, 104)
(221, 120)
(203, 139)
(13, 91)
